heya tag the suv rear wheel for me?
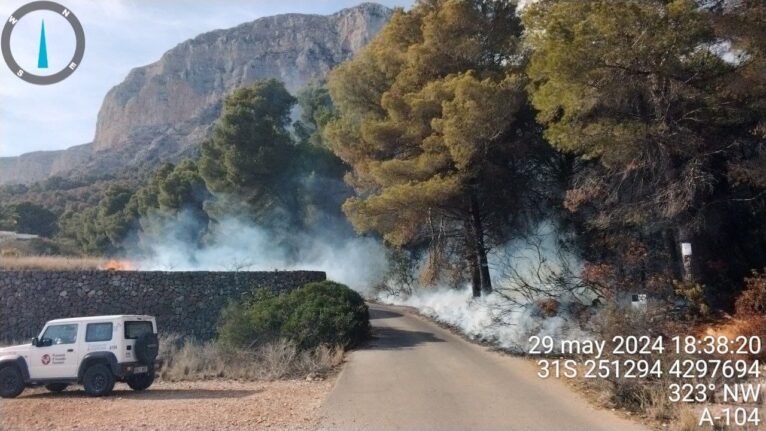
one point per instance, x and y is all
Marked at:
(98, 380)
(140, 382)
(56, 387)
(11, 382)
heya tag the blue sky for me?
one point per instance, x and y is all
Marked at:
(120, 35)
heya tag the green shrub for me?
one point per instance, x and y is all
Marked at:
(326, 313)
(316, 314)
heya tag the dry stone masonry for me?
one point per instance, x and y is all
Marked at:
(186, 303)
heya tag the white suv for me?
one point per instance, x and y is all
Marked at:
(93, 351)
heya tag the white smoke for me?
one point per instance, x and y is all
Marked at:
(524, 271)
(490, 318)
(233, 244)
(171, 243)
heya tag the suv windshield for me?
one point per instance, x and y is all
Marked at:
(134, 330)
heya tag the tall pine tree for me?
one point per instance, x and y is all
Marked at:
(430, 117)
(647, 90)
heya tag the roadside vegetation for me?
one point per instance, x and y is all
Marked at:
(189, 360)
(300, 334)
(325, 313)
(51, 263)
(649, 397)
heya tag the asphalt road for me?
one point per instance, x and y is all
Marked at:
(418, 376)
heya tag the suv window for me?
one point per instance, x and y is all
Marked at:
(134, 330)
(61, 334)
(96, 332)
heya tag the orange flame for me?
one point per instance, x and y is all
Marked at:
(117, 265)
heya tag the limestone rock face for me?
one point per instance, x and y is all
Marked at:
(32, 167)
(167, 107)
(162, 112)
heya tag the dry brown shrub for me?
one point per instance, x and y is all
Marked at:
(580, 195)
(747, 326)
(752, 300)
(647, 396)
(688, 419)
(430, 272)
(189, 360)
(549, 307)
(601, 277)
(658, 405)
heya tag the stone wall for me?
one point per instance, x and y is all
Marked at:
(186, 303)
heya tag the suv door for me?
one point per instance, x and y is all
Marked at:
(58, 356)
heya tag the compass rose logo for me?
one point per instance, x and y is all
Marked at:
(39, 76)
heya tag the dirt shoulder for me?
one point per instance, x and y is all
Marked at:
(219, 405)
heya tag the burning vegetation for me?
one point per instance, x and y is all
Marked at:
(118, 265)
(62, 263)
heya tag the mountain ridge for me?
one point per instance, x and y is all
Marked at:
(163, 111)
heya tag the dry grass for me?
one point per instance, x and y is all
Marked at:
(51, 263)
(194, 361)
(687, 419)
(191, 361)
(648, 397)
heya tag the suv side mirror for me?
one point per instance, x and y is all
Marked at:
(44, 342)
(35, 342)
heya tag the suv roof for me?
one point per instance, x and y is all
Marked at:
(95, 318)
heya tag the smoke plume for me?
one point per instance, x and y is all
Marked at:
(491, 318)
(234, 244)
(527, 273)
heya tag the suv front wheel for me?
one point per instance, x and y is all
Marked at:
(140, 382)
(11, 382)
(98, 380)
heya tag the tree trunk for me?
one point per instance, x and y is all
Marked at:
(473, 258)
(674, 252)
(475, 276)
(481, 250)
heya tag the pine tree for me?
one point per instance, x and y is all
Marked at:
(429, 120)
(249, 156)
(642, 89)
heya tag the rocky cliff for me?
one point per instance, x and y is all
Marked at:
(32, 167)
(161, 112)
